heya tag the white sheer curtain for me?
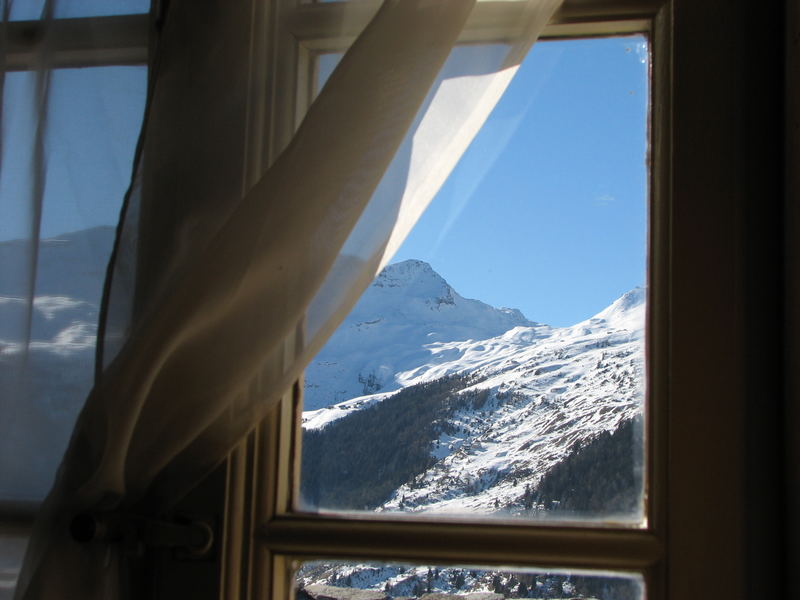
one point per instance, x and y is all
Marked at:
(210, 285)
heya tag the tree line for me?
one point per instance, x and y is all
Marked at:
(357, 462)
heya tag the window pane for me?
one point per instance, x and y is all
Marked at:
(332, 580)
(63, 9)
(432, 396)
(92, 127)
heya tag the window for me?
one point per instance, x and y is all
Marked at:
(430, 399)
(288, 538)
(703, 519)
(717, 502)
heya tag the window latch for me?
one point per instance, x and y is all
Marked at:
(190, 538)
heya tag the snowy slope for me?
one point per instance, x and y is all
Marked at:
(545, 396)
(548, 388)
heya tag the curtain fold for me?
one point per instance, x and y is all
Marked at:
(210, 286)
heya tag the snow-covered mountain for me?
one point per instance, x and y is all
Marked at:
(384, 339)
(536, 393)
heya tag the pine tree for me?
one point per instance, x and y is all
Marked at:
(460, 580)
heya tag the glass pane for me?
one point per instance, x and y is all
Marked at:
(433, 397)
(92, 128)
(324, 66)
(332, 580)
(64, 9)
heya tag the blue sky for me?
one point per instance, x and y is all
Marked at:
(556, 225)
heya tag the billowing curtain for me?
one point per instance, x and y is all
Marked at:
(220, 292)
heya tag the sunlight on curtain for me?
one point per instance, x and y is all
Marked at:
(364, 163)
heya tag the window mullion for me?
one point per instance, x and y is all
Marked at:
(85, 42)
(332, 27)
(562, 547)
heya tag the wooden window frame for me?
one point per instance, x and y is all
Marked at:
(266, 536)
(79, 42)
(714, 501)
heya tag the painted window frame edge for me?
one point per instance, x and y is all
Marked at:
(259, 496)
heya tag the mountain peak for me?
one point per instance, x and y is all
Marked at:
(626, 312)
(409, 281)
(410, 264)
(407, 272)
(632, 298)
(407, 308)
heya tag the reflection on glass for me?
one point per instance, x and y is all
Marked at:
(329, 580)
(427, 401)
(71, 9)
(92, 126)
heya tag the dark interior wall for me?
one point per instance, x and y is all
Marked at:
(726, 497)
(761, 48)
(792, 330)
